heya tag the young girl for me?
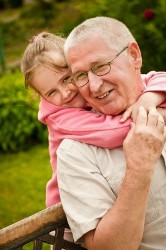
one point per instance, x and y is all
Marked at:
(64, 110)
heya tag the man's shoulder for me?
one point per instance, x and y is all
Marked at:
(66, 143)
(69, 143)
(75, 147)
(84, 149)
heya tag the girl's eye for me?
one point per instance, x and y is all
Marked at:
(52, 93)
(67, 80)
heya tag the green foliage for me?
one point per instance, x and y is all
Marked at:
(147, 21)
(18, 117)
(42, 11)
(17, 26)
(7, 28)
(11, 3)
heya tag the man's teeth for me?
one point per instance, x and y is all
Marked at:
(104, 95)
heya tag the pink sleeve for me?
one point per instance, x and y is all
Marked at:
(85, 126)
(155, 82)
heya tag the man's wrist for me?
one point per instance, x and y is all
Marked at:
(135, 178)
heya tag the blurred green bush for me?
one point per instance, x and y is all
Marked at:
(44, 12)
(10, 4)
(19, 127)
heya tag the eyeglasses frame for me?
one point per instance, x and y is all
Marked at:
(108, 63)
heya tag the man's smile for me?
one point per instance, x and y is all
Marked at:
(104, 95)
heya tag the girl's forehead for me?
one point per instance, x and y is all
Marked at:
(57, 57)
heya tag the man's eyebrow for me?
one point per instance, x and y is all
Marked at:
(92, 64)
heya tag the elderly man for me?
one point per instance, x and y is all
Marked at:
(113, 199)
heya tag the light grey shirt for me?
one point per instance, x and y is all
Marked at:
(89, 179)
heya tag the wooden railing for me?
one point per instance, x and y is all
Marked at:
(36, 229)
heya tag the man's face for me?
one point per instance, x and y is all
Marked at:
(115, 91)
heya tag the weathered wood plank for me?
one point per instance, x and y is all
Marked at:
(32, 227)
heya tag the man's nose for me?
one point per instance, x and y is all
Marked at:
(95, 82)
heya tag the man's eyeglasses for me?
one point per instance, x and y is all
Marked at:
(81, 78)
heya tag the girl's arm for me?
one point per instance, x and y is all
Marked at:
(155, 81)
(86, 126)
(154, 94)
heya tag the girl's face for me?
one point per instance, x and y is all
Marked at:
(55, 86)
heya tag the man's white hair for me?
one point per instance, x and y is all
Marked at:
(114, 32)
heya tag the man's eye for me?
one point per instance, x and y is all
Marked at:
(81, 76)
(99, 69)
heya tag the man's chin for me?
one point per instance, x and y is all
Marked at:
(112, 112)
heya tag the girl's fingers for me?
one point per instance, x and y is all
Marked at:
(126, 115)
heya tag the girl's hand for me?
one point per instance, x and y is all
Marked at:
(146, 100)
(126, 114)
(133, 110)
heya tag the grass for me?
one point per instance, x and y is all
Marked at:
(23, 179)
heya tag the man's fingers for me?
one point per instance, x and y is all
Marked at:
(152, 117)
(142, 116)
(155, 119)
(160, 123)
(165, 133)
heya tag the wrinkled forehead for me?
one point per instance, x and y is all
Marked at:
(88, 52)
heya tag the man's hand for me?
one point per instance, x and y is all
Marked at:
(144, 142)
(162, 111)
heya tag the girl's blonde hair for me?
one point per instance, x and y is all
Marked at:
(36, 54)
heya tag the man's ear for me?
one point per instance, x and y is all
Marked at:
(135, 53)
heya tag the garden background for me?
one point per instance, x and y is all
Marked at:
(24, 160)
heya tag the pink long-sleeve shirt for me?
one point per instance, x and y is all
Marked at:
(83, 125)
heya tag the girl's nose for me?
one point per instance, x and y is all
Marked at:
(65, 93)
